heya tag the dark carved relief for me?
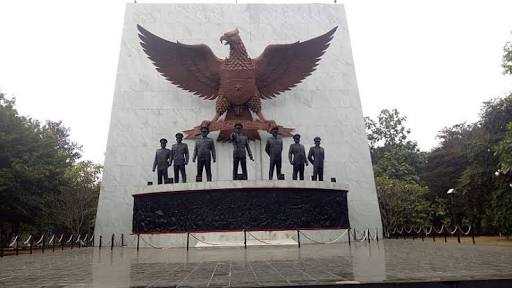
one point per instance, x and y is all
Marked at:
(237, 83)
(239, 209)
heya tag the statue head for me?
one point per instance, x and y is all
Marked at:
(238, 127)
(274, 131)
(163, 143)
(317, 141)
(296, 138)
(204, 131)
(231, 38)
(179, 137)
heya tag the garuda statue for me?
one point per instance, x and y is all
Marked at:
(237, 83)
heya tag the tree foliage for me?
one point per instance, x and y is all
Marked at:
(507, 58)
(39, 168)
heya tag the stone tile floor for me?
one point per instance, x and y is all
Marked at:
(387, 261)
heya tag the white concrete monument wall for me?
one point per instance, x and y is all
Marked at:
(147, 107)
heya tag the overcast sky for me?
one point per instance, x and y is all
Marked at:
(435, 61)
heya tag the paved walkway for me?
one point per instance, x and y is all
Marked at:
(387, 261)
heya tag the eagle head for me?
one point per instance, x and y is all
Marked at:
(231, 37)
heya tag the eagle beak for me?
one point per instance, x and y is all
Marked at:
(222, 38)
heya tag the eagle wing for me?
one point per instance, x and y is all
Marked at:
(191, 67)
(281, 67)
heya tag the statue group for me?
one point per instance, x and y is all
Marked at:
(204, 154)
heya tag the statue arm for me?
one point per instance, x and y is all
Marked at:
(195, 153)
(155, 162)
(248, 149)
(214, 156)
(187, 156)
(267, 147)
(310, 156)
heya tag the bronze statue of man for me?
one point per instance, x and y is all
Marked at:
(297, 157)
(179, 156)
(274, 149)
(316, 156)
(240, 145)
(162, 161)
(204, 152)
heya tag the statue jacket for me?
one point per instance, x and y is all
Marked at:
(179, 154)
(316, 156)
(297, 154)
(274, 147)
(204, 150)
(240, 144)
(162, 159)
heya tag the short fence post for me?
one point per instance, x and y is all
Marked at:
(445, 233)
(101, 238)
(62, 242)
(30, 244)
(473, 235)
(71, 243)
(298, 238)
(53, 243)
(92, 240)
(112, 242)
(458, 235)
(138, 242)
(245, 239)
(79, 243)
(122, 240)
(188, 239)
(349, 244)
(42, 244)
(368, 235)
(354, 234)
(17, 249)
(1, 245)
(377, 235)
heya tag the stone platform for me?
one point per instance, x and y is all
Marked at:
(389, 263)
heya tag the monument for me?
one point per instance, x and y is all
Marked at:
(314, 76)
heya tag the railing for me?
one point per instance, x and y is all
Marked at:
(433, 232)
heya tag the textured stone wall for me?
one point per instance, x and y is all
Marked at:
(147, 107)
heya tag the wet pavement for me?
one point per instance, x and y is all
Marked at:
(386, 261)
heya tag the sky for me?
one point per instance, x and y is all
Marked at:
(435, 61)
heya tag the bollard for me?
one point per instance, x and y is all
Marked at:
(138, 241)
(112, 242)
(458, 235)
(348, 237)
(53, 243)
(62, 242)
(298, 238)
(377, 235)
(92, 241)
(368, 235)
(445, 232)
(473, 235)
(71, 243)
(354, 234)
(188, 239)
(30, 244)
(122, 240)
(245, 239)
(17, 249)
(101, 238)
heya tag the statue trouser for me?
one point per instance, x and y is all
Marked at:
(206, 164)
(242, 162)
(277, 164)
(298, 169)
(162, 175)
(318, 173)
(177, 170)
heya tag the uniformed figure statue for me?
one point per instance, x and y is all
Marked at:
(204, 152)
(274, 149)
(179, 156)
(240, 145)
(316, 156)
(162, 161)
(297, 157)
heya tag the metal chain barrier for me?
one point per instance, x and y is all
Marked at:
(153, 246)
(207, 243)
(328, 242)
(259, 240)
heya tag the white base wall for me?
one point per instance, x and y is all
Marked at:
(147, 107)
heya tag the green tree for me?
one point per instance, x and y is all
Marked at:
(507, 58)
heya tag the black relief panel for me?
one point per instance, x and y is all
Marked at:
(239, 209)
